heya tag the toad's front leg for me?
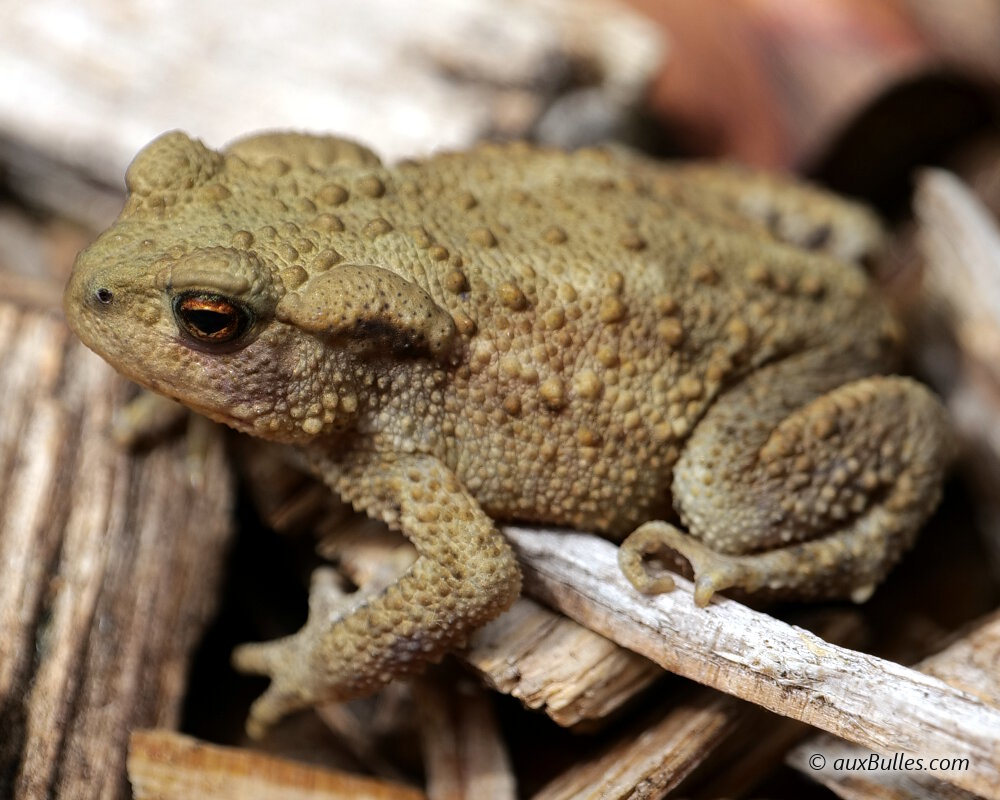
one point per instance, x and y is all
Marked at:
(465, 575)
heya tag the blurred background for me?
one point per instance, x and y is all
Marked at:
(854, 91)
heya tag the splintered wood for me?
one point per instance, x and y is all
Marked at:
(552, 663)
(870, 701)
(110, 564)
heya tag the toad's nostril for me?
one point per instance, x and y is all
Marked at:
(104, 296)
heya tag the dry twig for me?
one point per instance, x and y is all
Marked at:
(788, 670)
(970, 663)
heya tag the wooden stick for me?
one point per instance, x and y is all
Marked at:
(464, 754)
(164, 765)
(785, 669)
(678, 743)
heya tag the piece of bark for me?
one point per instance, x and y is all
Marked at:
(464, 754)
(651, 758)
(543, 659)
(552, 663)
(110, 562)
(163, 765)
(785, 669)
(970, 664)
(754, 751)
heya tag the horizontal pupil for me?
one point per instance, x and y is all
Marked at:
(212, 319)
(210, 322)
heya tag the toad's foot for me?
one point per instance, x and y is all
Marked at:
(800, 487)
(286, 660)
(713, 571)
(465, 575)
(797, 570)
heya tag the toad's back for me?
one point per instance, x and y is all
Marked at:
(603, 303)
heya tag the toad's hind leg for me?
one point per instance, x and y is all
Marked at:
(790, 487)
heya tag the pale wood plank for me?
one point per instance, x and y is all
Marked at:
(163, 765)
(958, 319)
(109, 562)
(96, 81)
(960, 241)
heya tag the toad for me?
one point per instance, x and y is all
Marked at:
(687, 355)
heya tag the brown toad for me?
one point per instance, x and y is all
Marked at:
(591, 339)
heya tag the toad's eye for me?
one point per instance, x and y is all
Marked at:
(211, 318)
